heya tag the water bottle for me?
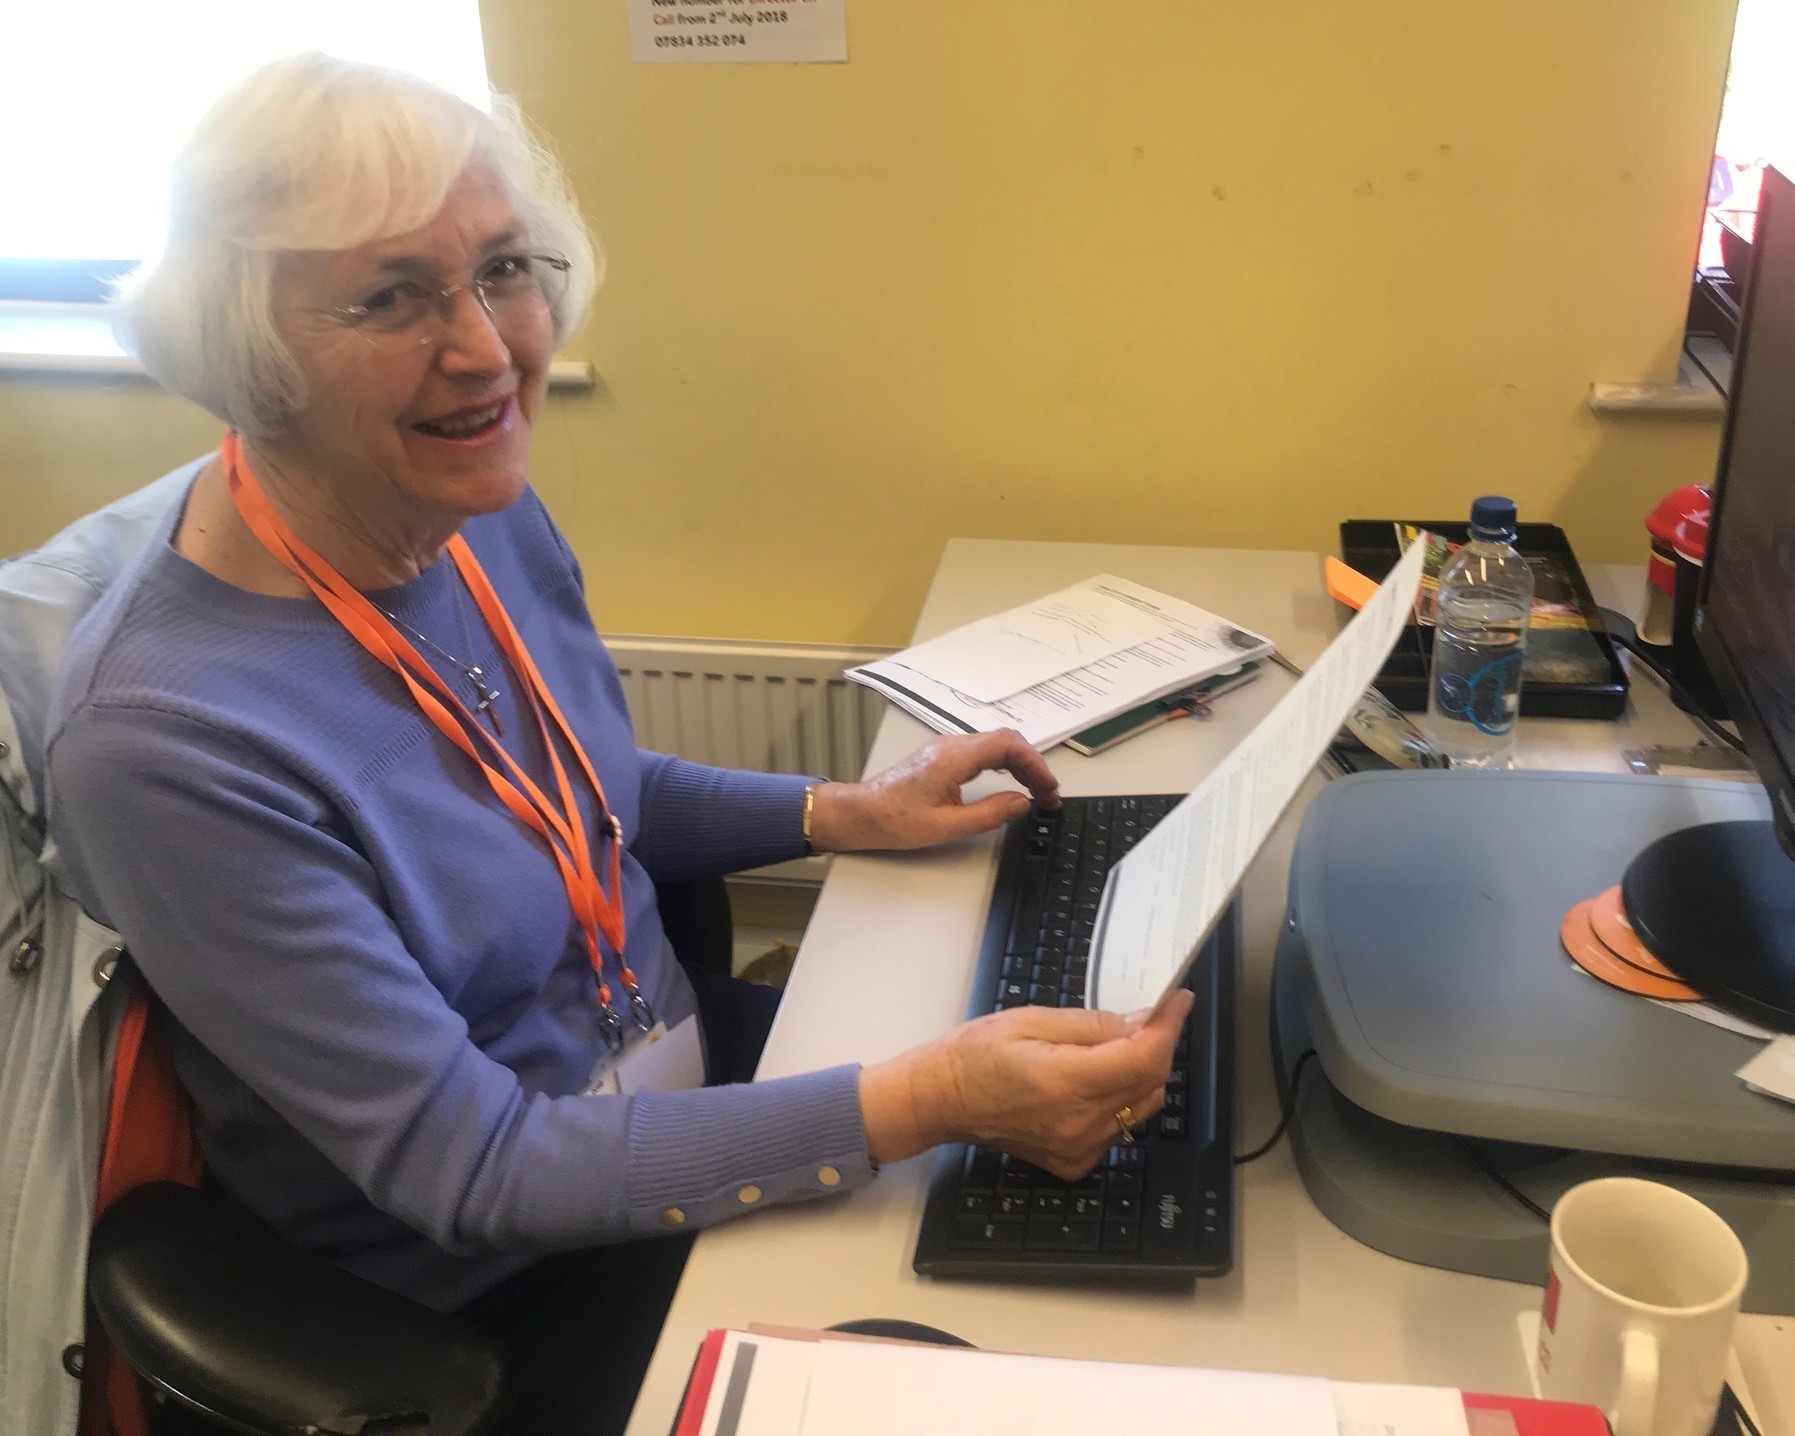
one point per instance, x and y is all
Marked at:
(1480, 636)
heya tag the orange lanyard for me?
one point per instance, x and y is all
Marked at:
(559, 826)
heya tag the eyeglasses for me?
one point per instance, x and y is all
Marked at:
(512, 289)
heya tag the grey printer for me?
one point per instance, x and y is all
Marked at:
(1458, 1047)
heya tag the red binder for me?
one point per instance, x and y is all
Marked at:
(1540, 1418)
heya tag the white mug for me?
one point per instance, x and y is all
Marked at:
(1642, 1290)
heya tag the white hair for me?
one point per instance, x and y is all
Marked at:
(316, 153)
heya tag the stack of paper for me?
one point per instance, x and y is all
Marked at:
(754, 1384)
(1056, 666)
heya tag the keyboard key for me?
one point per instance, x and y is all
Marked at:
(1013, 1204)
(1049, 1204)
(1027, 917)
(975, 1204)
(974, 1233)
(1013, 1179)
(981, 1170)
(1124, 1184)
(1084, 1209)
(1124, 1208)
(1121, 1236)
(1054, 1236)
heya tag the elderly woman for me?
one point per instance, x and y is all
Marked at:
(344, 760)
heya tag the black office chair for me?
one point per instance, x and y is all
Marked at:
(231, 1329)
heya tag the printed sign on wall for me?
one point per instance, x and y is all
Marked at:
(685, 32)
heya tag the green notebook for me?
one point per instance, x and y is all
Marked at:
(1189, 702)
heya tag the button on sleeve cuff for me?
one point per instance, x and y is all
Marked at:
(697, 1157)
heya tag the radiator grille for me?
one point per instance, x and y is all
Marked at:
(775, 708)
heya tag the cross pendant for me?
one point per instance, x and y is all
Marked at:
(488, 696)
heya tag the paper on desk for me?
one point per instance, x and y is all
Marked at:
(1714, 1016)
(1772, 1071)
(1010, 651)
(1186, 644)
(1366, 1408)
(760, 1387)
(869, 1390)
(1164, 896)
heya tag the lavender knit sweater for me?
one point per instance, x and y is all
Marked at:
(385, 1012)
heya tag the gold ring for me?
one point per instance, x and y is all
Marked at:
(1125, 1121)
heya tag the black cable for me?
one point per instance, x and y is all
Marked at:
(1684, 698)
(1503, 1182)
(1296, 1078)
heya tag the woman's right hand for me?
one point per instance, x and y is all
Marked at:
(1043, 1084)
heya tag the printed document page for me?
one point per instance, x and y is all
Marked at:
(868, 1390)
(1185, 644)
(760, 1386)
(1367, 1409)
(1004, 654)
(1162, 899)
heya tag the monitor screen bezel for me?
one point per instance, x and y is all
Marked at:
(1776, 208)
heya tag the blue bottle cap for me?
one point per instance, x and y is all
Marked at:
(1493, 517)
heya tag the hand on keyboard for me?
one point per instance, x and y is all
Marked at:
(1042, 1084)
(916, 803)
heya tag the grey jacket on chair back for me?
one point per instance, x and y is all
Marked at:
(57, 1014)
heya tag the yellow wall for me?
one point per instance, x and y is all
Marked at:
(1160, 272)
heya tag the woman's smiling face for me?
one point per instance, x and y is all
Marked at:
(432, 421)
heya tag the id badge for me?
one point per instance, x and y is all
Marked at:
(657, 1060)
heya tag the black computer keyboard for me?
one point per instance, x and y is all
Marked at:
(1160, 1208)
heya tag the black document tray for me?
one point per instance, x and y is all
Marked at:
(1570, 672)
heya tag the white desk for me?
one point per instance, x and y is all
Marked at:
(886, 964)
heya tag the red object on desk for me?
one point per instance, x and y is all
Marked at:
(1542, 1418)
(698, 1385)
(1531, 1418)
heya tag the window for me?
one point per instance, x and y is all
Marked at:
(1757, 121)
(99, 97)
(1757, 127)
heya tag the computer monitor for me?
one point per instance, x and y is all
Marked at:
(1716, 902)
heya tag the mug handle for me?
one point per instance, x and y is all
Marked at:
(1638, 1383)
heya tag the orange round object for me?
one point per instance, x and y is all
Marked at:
(1589, 953)
(1608, 916)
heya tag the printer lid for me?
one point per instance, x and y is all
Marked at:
(1423, 918)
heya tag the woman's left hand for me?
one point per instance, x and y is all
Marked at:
(917, 803)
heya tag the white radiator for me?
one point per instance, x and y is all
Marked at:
(773, 707)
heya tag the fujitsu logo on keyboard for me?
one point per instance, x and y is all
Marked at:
(1169, 1212)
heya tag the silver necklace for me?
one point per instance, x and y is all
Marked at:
(486, 694)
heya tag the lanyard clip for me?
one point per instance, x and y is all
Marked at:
(610, 1027)
(640, 1012)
